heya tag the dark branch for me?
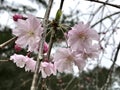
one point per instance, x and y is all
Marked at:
(61, 4)
(7, 42)
(105, 3)
(105, 18)
(111, 69)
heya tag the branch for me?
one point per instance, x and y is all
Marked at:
(111, 69)
(105, 3)
(55, 24)
(40, 57)
(4, 60)
(61, 4)
(105, 18)
(7, 42)
(71, 83)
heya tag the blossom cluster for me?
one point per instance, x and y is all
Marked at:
(80, 40)
(24, 61)
(81, 47)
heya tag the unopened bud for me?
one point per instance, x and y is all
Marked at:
(17, 48)
(45, 49)
(17, 16)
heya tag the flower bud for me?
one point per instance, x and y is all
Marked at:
(45, 49)
(17, 16)
(17, 48)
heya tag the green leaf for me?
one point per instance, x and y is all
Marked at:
(58, 15)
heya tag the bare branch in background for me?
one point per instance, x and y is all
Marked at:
(7, 42)
(116, 13)
(105, 3)
(105, 87)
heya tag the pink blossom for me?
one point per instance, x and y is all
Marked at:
(47, 69)
(30, 64)
(20, 60)
(24, 61)
(80, 62)
(29, 33)
(81, 36)
(91, 52)
(64, 59)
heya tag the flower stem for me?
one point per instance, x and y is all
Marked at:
(55, 25)
(40, 57)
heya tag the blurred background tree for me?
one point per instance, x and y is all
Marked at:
(102, 15)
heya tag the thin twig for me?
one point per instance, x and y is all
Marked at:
(40, 57)
(105, 18)
(69, 84)
(105, 3)
(51, 43)
(7, 42)
(111, 69)
(55, 25)
(61, 28)
(4, 60)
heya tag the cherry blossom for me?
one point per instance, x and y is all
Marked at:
(91, 52)
(24, 61)
(20, 60)
(47, 69)
(64, 59)
(30, 65)
(80, 47)
(81, 36)
(29, 33)
(80, 62)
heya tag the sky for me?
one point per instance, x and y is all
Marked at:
(73, 5)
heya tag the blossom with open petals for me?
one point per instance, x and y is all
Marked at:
(64, 59)
(28, 32)
(91, 52)
(24, 61)
(20, 60)
(47, 69)
(30, 65)
(81, 36)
